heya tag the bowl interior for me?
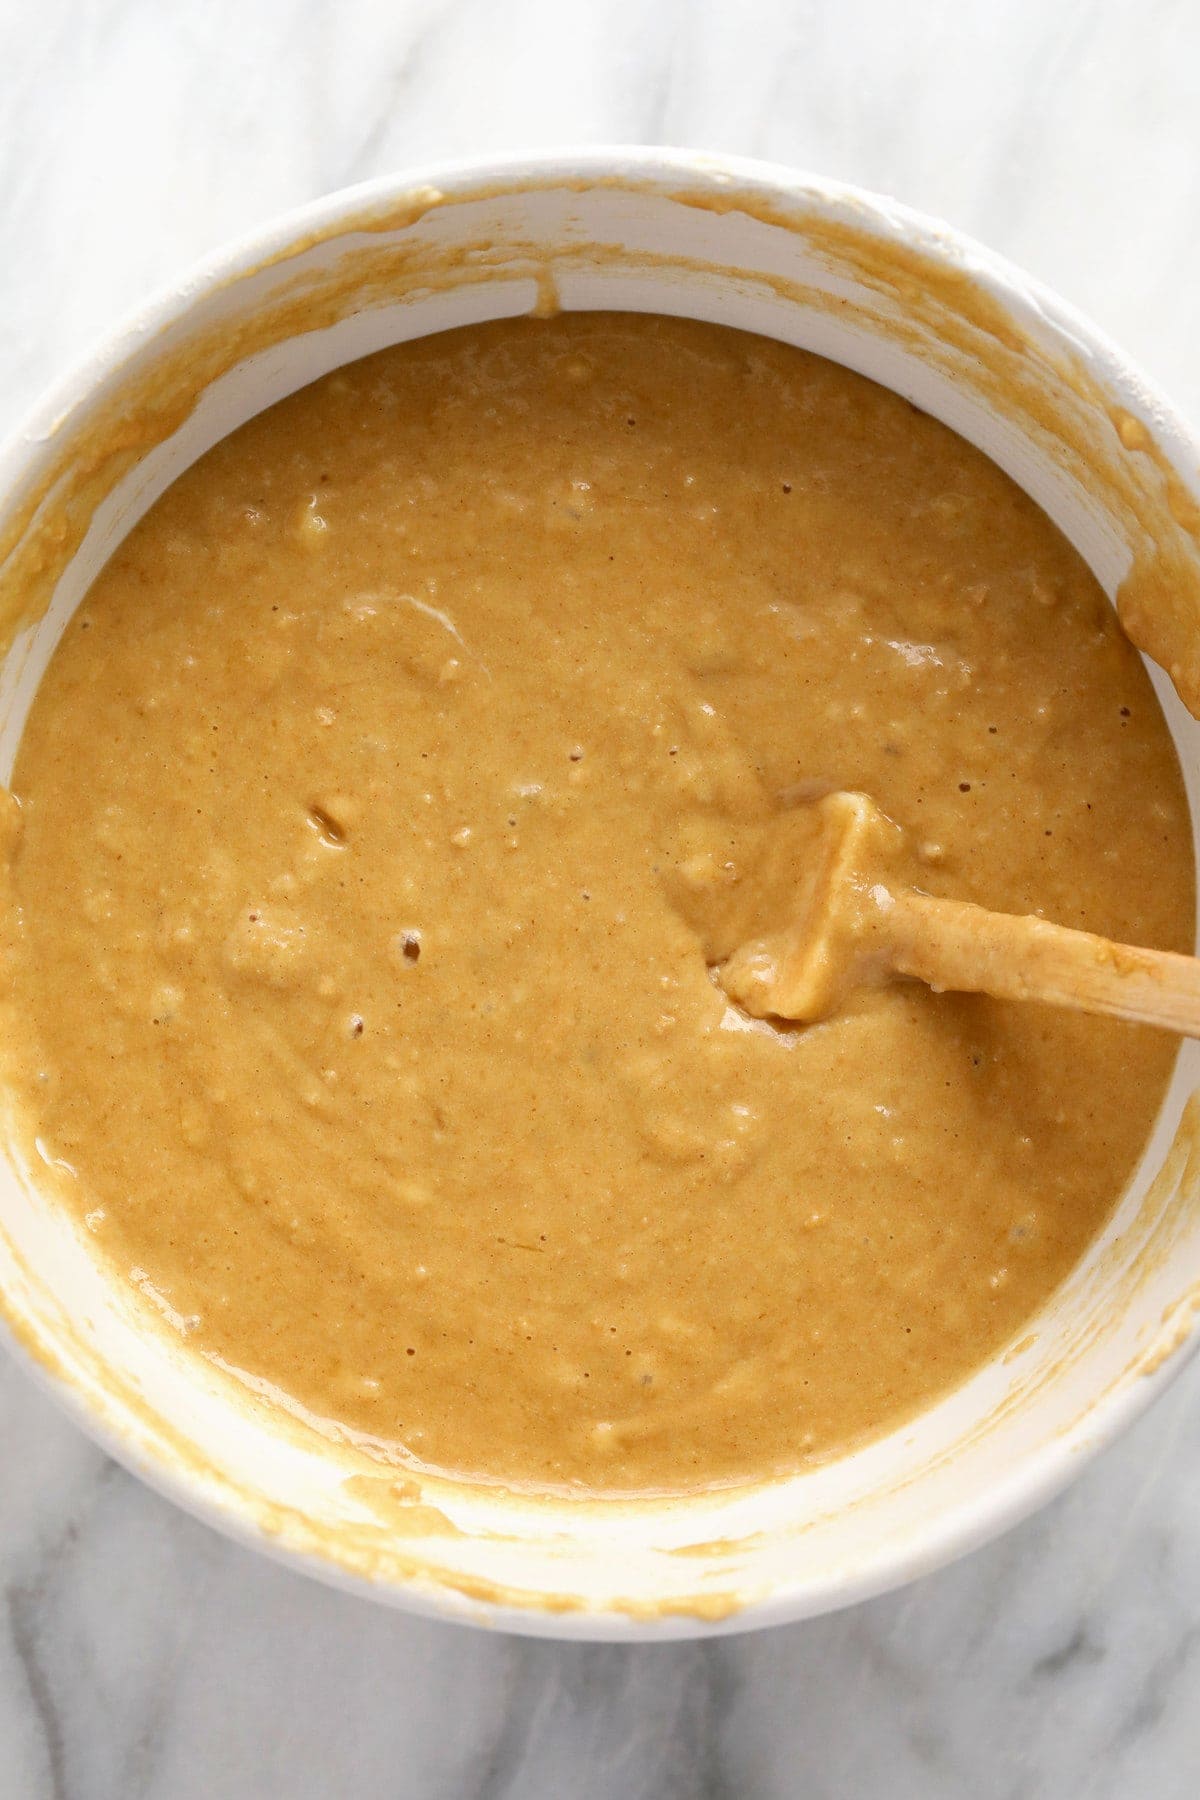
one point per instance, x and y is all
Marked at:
(798, 260)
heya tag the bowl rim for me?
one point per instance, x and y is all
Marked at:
(1040, 1474)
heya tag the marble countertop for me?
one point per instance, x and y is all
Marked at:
(141, 1656)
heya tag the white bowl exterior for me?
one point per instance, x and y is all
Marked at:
(988, 1452)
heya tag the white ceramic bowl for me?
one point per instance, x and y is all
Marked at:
(859, 279)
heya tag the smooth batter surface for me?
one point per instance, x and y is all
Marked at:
(365, 813)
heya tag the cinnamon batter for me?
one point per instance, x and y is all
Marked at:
(346, 951)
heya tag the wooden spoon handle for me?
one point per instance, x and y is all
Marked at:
(953, 944)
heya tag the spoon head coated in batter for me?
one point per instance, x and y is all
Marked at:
(833, 938)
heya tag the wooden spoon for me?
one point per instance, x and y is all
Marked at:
(855, 925)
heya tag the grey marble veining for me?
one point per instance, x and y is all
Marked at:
(141, 1656)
